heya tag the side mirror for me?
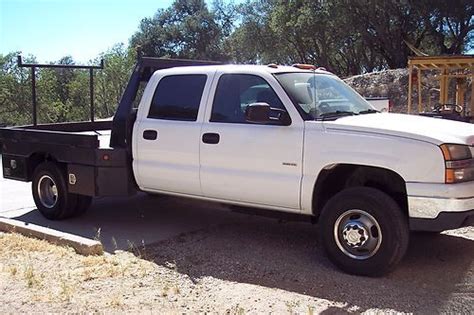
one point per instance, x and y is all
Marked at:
(263, 113)
(258, 112)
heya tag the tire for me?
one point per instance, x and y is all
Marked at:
(83, 203)
(363, 231)
(50, 192)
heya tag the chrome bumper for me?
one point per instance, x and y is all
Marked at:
(427, 201)
(440, 207)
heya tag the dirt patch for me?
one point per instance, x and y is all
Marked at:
(35, 275)
(255, 265)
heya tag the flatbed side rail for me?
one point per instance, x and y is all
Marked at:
(74, 126)
(25, 136)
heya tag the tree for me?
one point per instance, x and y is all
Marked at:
(350, 37)
(15, 91)
(449, 26)
(188, 29)
(112, 80)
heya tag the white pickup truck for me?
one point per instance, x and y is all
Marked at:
(289, 139)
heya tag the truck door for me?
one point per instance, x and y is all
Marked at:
(250, 162)
(167, 133)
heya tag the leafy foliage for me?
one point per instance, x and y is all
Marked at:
(188, 29)
(350, 37)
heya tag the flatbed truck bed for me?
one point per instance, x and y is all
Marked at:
(83, 148)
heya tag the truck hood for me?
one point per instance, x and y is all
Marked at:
(434, 130)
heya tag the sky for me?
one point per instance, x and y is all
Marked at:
(51, 29)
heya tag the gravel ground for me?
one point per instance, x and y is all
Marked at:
(255, 265)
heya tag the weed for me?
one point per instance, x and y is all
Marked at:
(93, 261)
(30, 276)
(66, 290)
(176, 290)
(236, 309)
(87, 273)
(132, 248)
(291, 306)
(97, 236)
(164, 291)
(143, 254)
(114, 243)
(116, 301)
(13, 270)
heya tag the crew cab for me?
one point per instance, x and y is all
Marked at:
(290, 139)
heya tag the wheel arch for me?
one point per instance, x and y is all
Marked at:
(336, 177)
(35, 159)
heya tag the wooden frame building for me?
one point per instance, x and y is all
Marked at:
(459, 67)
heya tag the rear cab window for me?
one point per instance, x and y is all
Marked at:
(177, 97)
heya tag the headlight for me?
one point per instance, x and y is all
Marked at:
(459, 163)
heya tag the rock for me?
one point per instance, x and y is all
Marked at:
(394, 85)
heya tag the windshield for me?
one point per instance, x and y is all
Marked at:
(320, 96)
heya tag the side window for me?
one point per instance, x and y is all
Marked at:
(235, 92)
(177, 97)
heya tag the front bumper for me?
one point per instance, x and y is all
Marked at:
(444, 221)
(439, 207)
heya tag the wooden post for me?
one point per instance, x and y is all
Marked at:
(419, 90)
(445, 86)
(472, 92)
(410, 69)
(441, 86)
(461, 87)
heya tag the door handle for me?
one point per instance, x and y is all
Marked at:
(150, 134)
(211, 138)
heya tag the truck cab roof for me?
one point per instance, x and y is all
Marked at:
(273, 69)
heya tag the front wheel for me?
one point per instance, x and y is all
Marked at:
(364, 231)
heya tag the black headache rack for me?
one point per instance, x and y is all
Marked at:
(144, 69)
(34, 66)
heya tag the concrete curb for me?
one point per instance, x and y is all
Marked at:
(81, 245)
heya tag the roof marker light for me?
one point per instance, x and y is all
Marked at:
(304, 66)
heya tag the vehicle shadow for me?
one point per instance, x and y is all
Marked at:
(133, 222)
(437, 270)
(200, 241)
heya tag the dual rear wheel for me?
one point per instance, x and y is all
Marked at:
(51, 194)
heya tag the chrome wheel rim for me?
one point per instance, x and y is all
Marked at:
(357, 234)
(47, 191)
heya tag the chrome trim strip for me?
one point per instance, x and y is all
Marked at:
(434, 197)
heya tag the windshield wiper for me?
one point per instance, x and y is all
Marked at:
(336, 114)
(369, 111)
